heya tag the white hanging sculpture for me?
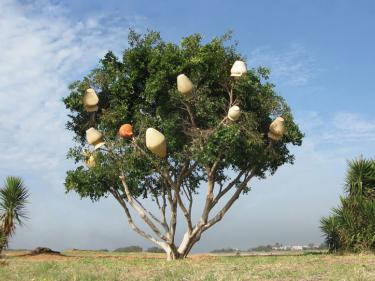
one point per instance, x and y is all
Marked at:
(156, 143)
(95, 138)
(90, 100)
(184, 85)
(238, 68)
(90, 162)
(234, 113)
(277, 129)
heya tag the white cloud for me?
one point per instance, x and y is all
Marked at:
(42, 50)
(343, 128)
(294, 66)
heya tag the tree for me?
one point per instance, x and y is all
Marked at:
(351, 226)
(13, 201)
(205, 149)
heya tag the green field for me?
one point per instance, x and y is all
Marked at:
(87, 265)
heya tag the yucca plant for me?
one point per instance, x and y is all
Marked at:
(329, 226)
(13, 200)
(2, 241)
(351, 226)
(360, 179)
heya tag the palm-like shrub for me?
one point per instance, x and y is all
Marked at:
(330, 229)
(360, 179)
(351, 227)
(13, 201)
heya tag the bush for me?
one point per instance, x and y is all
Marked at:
(155, 250)
(224, 250)
(129, 249)
(262, 248)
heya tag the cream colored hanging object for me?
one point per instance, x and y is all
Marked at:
(277, 129)
(184, 85)
(155, 142)
(90, 162)
(95, 138)
(238, 68)
(90, 100)
(89, 159)
(234, 113)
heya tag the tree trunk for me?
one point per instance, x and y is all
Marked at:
(172, 253)
(173, 256)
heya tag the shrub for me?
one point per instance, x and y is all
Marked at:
(224, 250)
(129, 249)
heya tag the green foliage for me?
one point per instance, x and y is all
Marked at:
(140, 88)
(129, 249)
(351, 227)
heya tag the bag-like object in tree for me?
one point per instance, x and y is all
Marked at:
(156, 143)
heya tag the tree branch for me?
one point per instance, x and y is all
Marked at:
(140, 210)
(229, 186)
(164, 225)
(209, 197)
(191, 116)
(130, 219)
(185, 212)
(230, 202)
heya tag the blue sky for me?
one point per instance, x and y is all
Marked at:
(322, 61)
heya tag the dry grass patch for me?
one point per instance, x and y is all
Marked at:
(105, 266)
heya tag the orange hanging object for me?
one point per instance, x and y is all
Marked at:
(126, 131)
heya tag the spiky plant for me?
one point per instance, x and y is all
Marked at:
(351, 227)
(13, 200)
(330, 227)
(2, 241)
(360, 179)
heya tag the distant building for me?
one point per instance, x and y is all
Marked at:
(289, 248)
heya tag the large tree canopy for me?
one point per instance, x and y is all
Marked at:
(202, 143)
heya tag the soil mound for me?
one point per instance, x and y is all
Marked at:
(43, 251)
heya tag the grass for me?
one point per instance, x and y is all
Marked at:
(103, 266)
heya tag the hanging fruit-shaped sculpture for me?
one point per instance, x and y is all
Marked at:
(277, 129)
(238, 68)
(126, 131)
(89, 159)
(184, 85)
(94, 138)
(156, 143)
(234, 113)
(90, 100)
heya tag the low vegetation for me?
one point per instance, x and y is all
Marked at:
(224, 250)
(155, 250)
(129, 249)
